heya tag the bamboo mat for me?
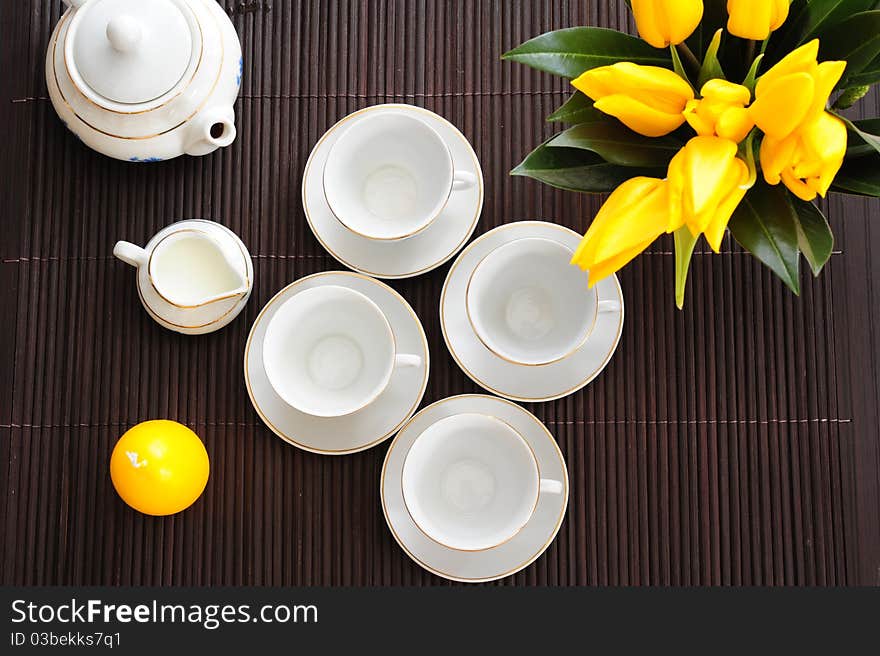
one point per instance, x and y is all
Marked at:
(735, 442)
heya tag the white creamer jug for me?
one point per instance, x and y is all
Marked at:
(194, 276)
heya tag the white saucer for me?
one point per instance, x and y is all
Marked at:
(408, 257)
(495, 563)
(516, 381)
(364, 428)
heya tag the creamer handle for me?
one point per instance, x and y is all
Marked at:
(130, 253)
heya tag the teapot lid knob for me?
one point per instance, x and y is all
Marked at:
(131, 51)
(124, 33)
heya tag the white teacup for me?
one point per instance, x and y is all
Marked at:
(329, 351)
(471, 482)
(389, 175)
(529, 305)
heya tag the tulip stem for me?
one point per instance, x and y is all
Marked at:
(750, 52)
(689, 57)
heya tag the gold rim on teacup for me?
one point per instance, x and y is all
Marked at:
(477, 379)
(518, 529)
(291, 440)
(354, 115)
(511, 360)
(438, 210)
(519, 566)
(379, 388)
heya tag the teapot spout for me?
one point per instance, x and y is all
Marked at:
(212, 129)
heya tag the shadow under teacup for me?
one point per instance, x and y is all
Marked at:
(529, 305)
(471, 482)
(389, 175)
(330, 351)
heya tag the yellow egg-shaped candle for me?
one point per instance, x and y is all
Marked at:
(159, 467)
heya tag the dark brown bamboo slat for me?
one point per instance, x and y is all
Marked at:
(734, 443)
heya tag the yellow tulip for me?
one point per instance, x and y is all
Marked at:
(721, 111)
(755, 19)
(706, 183)
(634, 215)
(807, 160)
(795, 91)
(667, 22)
(647, 99)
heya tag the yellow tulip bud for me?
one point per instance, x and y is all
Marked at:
(706, 183)
(633, 216)
(795, 91)
(721, 111)
(807, 160)
(755, 19)
(647, 99)
(667, 22)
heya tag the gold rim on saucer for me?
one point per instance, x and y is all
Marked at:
(519, 528)
(430, 267)
(292, 440)
(590, 377)
(470, 319)
(520, 566)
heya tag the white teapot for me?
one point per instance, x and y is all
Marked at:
(194, 276)
(146, 80)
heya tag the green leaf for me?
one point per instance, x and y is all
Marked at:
(808, 19)
(856, 40)
(617, 144)
(866, 133)
(765, 225)
(869, 75)
(860, 176)
(570, 52)
(746, 150)
(684, 250)
(711, 67)
(576, 170)
(815, 239)
(577, 109)
(752, 76)
(714, 19)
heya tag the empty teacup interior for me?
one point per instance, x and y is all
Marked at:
(470, 482)
(328, 351)
(388, 175)
(189, 268)
(528, 304)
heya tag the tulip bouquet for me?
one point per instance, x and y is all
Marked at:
(723, 116)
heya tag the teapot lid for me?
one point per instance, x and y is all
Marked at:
(131, 51)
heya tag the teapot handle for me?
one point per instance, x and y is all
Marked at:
(75, 3)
